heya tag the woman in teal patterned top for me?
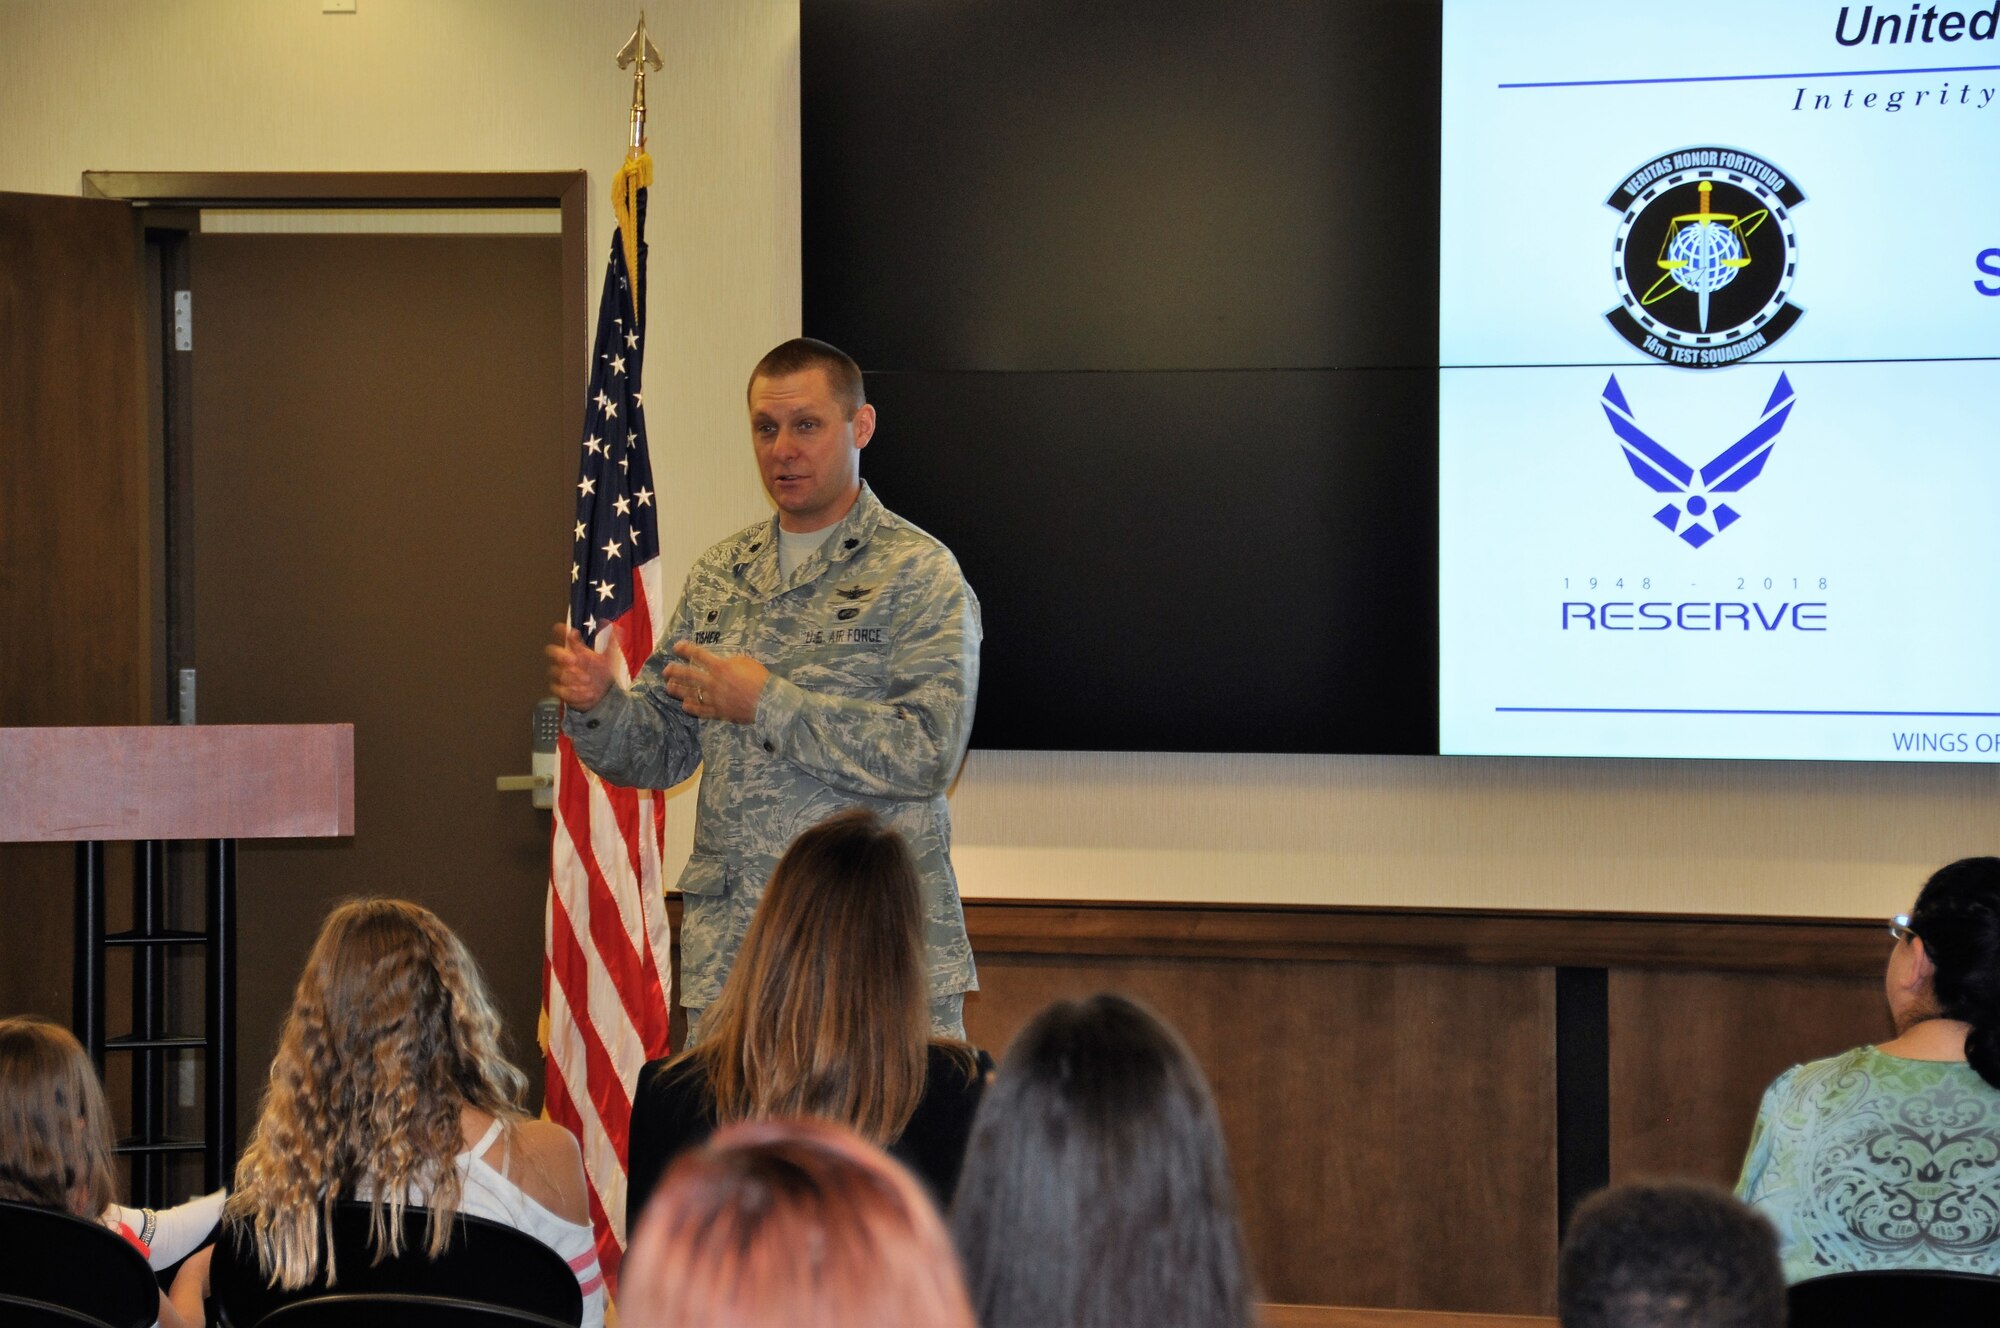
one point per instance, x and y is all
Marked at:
(1889, 1156)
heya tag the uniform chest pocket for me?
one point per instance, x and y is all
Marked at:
(843, 650)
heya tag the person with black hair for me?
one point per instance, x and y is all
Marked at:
(1889, 1156)
(1669, 1254)
(1096, 1191)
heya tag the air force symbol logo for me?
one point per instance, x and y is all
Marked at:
(1704, 257)
(1663, 472)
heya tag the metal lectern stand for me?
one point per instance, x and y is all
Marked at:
(216, 783)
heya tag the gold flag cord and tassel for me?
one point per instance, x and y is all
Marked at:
(634, 175)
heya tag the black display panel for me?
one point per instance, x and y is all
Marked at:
(1147, 295)
(1183, 561)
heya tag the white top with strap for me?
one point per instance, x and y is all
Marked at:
(169, 1234)
(486, 1192)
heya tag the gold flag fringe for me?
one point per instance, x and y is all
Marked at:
(634, 175)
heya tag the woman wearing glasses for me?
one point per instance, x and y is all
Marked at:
(1889, 1156)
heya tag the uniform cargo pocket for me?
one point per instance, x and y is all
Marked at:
(706, 874)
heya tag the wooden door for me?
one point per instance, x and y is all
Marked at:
(76, 642)
(381, 469)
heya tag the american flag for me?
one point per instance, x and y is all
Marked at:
(607, 983)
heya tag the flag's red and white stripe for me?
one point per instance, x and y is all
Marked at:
(607, 983)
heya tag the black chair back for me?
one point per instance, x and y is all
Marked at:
(18, 1313)
(56, 1259)
(486, 1263)
(337, 1311)
(1915, 1298)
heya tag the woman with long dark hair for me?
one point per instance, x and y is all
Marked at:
(1096, 1191)
(825, 1015)
(1889, 1156)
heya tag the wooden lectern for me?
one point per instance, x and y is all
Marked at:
(218, 783)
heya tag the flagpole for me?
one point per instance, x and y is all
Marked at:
(639, 52)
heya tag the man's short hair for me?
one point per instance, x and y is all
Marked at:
(1669, 1254)
(799, 354)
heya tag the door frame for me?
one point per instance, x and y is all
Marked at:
(171, 201)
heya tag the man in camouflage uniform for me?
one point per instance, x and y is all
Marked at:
(826, 658)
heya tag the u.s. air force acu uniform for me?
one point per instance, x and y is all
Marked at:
(873, 647)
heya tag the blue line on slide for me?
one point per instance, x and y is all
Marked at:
(1744, 78)
(1661, 710)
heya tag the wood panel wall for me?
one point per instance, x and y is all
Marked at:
(1387, 1079)
(1692, 1052)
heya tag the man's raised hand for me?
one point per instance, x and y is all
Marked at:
(712, 686)
(578, 676)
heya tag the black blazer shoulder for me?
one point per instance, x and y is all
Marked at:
(672, 1111)
(933, 1143)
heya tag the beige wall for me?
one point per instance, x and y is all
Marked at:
(1653, 836)
(528, 84)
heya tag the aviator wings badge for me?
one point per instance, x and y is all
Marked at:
(1663, 472)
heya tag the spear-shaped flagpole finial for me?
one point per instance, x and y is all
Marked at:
(638, 53)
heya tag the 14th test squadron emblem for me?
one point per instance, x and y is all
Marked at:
(1704, 256)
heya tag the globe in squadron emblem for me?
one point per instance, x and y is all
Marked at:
(1703, 253)
(1704, 257)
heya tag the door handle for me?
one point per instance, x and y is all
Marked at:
(547, 726)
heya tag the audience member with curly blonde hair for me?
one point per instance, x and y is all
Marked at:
(390, 1087)
(791, 1224)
